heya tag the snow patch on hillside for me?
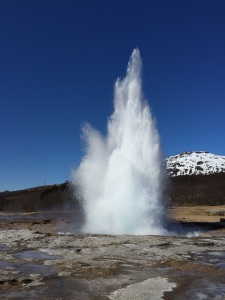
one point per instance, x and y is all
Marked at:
(195, 163)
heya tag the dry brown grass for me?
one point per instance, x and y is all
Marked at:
(197, 213)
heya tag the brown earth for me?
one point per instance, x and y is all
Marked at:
(197, 213)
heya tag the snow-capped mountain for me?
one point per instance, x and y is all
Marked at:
(195, 163)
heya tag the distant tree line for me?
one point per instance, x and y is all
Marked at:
(187, 190)
(51, 197)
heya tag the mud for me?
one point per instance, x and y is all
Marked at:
(42, 256)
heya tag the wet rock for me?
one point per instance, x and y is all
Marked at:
(103, 266)
(36, 276)
(152, 288)
(65, 274)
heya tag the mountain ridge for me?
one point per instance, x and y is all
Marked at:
(195, 163)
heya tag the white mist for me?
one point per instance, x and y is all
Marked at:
(120, 178)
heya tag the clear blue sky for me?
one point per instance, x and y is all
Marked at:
(59, 60)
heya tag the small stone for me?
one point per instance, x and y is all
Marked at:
(68, 266)
(36, 283)
(8, 257)
(36, 276)
(29, 259)
(15, 272)
(10, 268)
(64, 274)
(49, 263)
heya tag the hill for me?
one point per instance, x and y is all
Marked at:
(196, 178)
(50, 197)
(190, 190)
(195, 163)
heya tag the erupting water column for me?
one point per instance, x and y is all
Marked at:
(119, 179)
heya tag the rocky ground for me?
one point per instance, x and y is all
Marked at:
(44, 257)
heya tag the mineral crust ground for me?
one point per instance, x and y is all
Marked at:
(43, 256)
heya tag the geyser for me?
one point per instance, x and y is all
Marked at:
(119, 179)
